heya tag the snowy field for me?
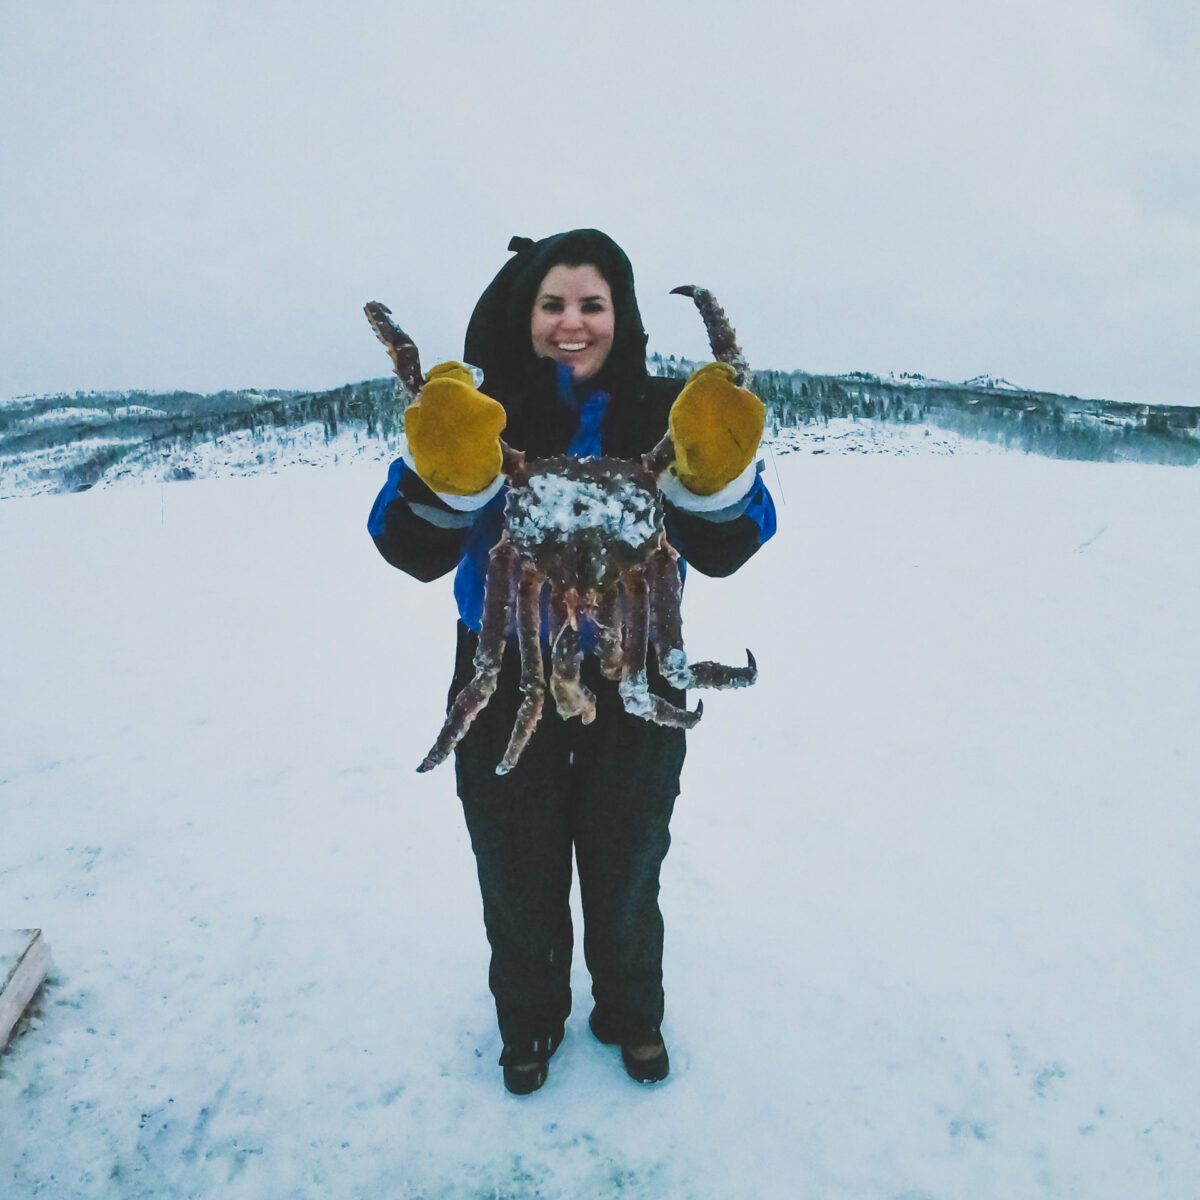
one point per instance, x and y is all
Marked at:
(931, 905)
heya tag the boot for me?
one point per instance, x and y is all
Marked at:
(526, 1063)
(644, 1054)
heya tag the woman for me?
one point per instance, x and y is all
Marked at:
(560, 340)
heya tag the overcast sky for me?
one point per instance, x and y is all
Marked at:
(203, 194)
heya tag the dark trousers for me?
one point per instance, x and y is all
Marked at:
(606, 790)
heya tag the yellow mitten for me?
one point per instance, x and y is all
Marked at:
(716, 427)
(453, 432)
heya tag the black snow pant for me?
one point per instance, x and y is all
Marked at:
(605, 789)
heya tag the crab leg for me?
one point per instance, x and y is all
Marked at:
(572, 698)
(608, 626)
(402, 350)
(499, 594)
(400, 347)
(634, 686)
(722, 337)
(666, 588)
(722, 340)
(718, 675)
(533, 682)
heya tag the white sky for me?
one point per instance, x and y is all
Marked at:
(202, 195)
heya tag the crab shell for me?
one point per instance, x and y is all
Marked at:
(585, 521)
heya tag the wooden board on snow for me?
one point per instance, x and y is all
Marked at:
(24, 961)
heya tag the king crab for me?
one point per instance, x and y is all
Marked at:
(593, 529)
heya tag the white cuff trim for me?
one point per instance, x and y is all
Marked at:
(730, 494)
(441, 518)
(472, 502)
(458, 503)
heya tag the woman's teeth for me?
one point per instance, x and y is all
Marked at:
(571, 345)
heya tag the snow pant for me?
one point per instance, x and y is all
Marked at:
(605, 789)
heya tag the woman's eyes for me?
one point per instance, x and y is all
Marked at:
(588, 306)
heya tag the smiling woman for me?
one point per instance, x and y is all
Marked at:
(572, 319)
(559, 337)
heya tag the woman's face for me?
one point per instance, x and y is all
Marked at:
(573, 319)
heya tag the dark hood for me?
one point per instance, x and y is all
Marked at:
(498, 335)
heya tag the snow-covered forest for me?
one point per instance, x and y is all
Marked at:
(71, 442)
(930, 905)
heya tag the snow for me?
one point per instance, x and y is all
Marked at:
(13, 944)
(849, 435)
(993, 383)
(69, 416)
(95, 416)
(249, 452)
(624, 513)
(930, 905)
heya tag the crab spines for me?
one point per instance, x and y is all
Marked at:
(512, 463)
(722, 337)
(718, 675)
(678, 671)
(661, 457)
(533, 681)
(400, 347)
(499, 595)
(634, 687)
(666, 589)
(607, 619)
(666, 592)
(571, 697)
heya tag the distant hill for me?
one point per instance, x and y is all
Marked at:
(992, 409)
(71, 442)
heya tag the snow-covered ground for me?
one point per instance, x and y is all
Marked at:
(850, 435)
(265, 450)
(931, 905)
(268, 450)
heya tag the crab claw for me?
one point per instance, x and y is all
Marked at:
(400, 347)
(662, 712)
(718, 675)
(640, 701)
(722, 337)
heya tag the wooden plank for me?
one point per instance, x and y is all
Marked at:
(24, 961)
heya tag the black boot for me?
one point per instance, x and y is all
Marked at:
(526, 1063)
(641, 1068)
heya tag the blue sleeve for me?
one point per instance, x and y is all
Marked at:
(760, 508)
(413, 529)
